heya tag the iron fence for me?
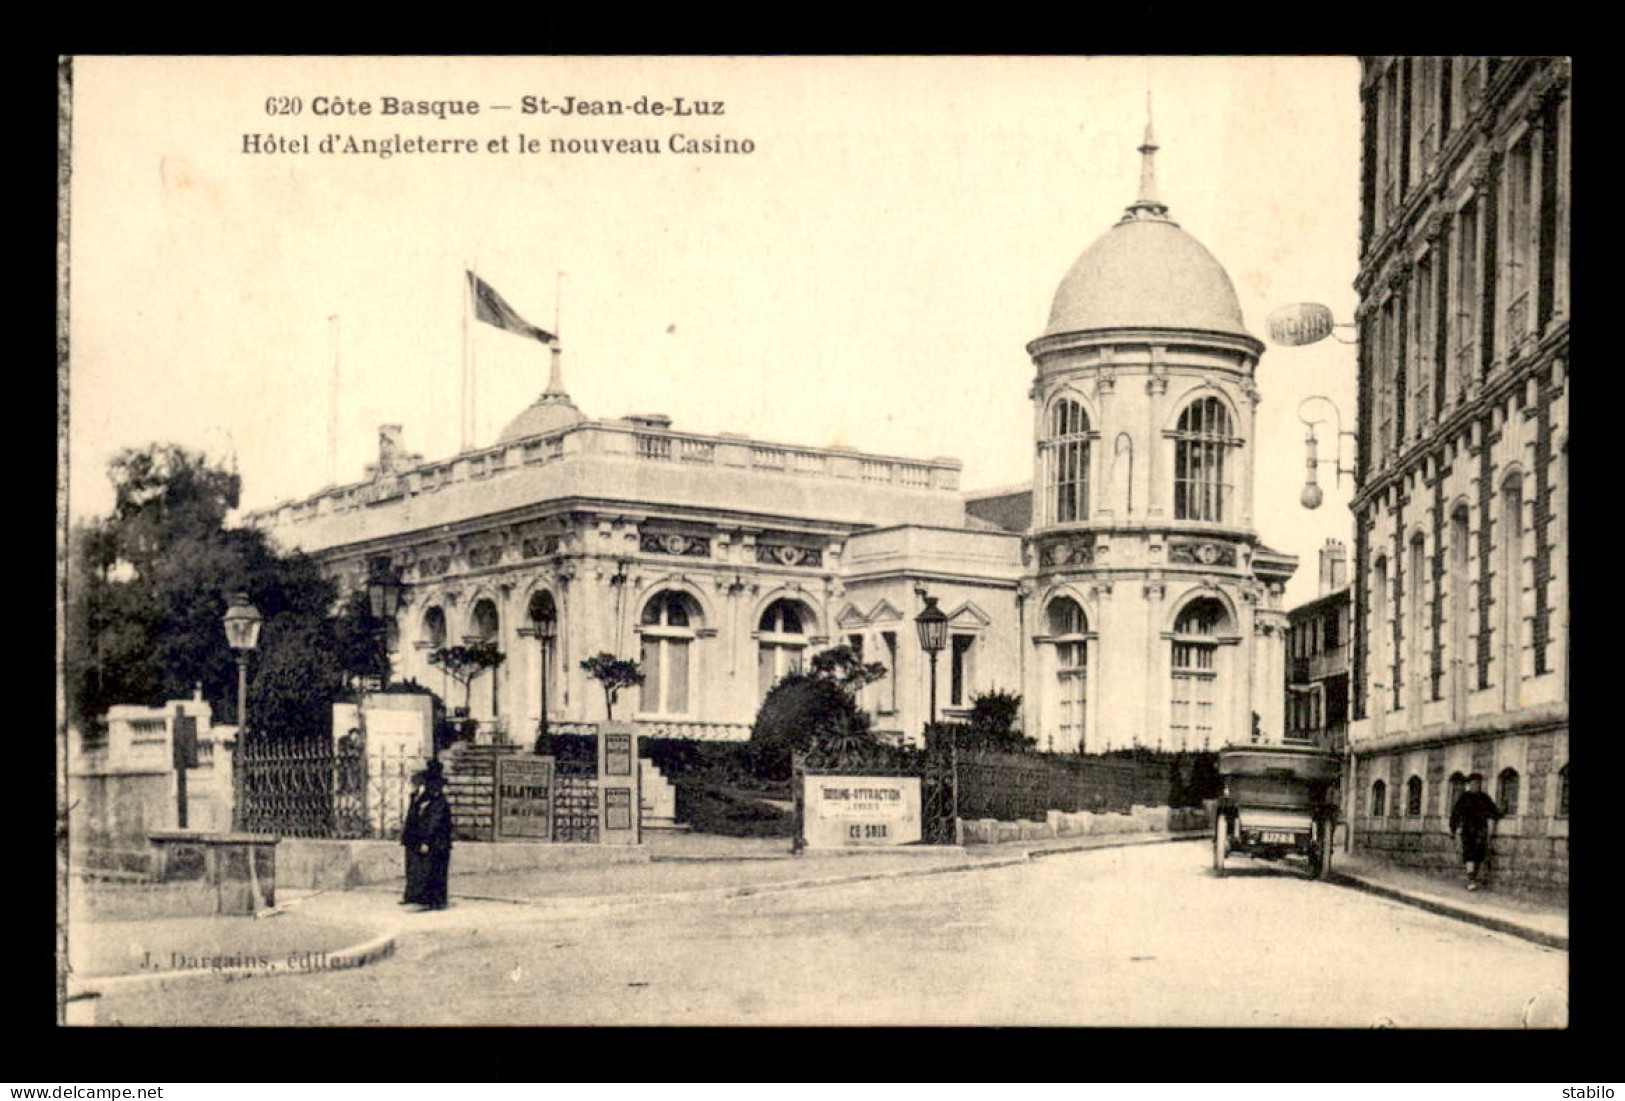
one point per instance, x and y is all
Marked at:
(322, 789)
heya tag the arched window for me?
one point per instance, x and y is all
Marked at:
(1379, 799)
(485, 626)
(1563, 792)
(1413, 797)
(781, 641)
(1460, 556)
(1195, 673)
(1202, 443)
(1458, 788)
(1506, 791)
(1511, 596)
(1067, 628)
(1066, 462)
(667, 632)
(434, 627)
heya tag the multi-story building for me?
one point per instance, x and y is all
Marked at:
(1318, 648)
(1461, 506)
(1128, 599)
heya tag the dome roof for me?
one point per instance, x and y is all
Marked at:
(548, 413)
(1146, 273)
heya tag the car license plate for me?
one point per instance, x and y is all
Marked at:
(1271, 838)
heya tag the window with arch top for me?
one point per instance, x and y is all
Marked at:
(1194, 665)
(1067, 629)
(1379, 799)
(781, 641)
(1066, 462)
(667, 630)
(1202, 443)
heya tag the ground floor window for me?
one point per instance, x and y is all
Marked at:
(781, 642)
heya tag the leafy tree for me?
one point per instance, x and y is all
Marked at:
(846, 667)
(464, 664)
(613, 674)
(818, 707)
(149, 584)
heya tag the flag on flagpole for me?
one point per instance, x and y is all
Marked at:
(491, 309)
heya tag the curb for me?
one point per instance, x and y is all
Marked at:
(342, 959)
(1450, 910)
(586, 902)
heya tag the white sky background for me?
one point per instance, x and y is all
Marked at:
(869, 276)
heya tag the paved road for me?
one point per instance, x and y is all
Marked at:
(1137, 936)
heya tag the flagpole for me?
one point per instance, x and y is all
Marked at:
(333, 409)
(468, 369)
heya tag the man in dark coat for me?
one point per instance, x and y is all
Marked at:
(434, 840)
(411, 839)
(1471, 816)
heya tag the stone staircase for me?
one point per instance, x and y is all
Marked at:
(659, 800)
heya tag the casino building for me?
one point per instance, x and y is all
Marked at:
(1124, 593)
(1461, 599)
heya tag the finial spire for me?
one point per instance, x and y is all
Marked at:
(1148, 200)
(555, 376)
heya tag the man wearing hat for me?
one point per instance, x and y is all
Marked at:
(434, 838)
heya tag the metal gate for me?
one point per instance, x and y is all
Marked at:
(302, 789)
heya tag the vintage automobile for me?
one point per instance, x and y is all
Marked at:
(1277, 802)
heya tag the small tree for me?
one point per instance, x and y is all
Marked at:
(613, 674)
(464, 664)
(845, 666)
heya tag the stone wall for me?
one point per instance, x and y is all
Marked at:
(1529, 865)
(1056, 824)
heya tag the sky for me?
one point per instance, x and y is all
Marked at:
(868, 275)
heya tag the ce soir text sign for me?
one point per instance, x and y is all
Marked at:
(842, 811)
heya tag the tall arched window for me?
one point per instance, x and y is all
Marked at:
(1460, 555)
(667, 631)
(1415, 610)
(1195, 674)
(1458, 788)
(1201, 445)
(1066, 459)
(1506, 791)
(1381, 635)
(1067, 628)
(781, 641)
(1511, 595)
(1379, 799)
(1563, 792)
(485, 626)
(1413, 797)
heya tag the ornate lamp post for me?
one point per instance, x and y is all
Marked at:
(544, 622)
(932, 625)
(242, 622)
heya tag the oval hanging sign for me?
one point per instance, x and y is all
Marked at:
(1303, 323)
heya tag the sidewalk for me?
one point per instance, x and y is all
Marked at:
(1541, 922)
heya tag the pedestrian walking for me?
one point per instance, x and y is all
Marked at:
(1472, 817)
(411, 839)
(434, 839)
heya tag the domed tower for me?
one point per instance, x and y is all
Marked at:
(1154, 610)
